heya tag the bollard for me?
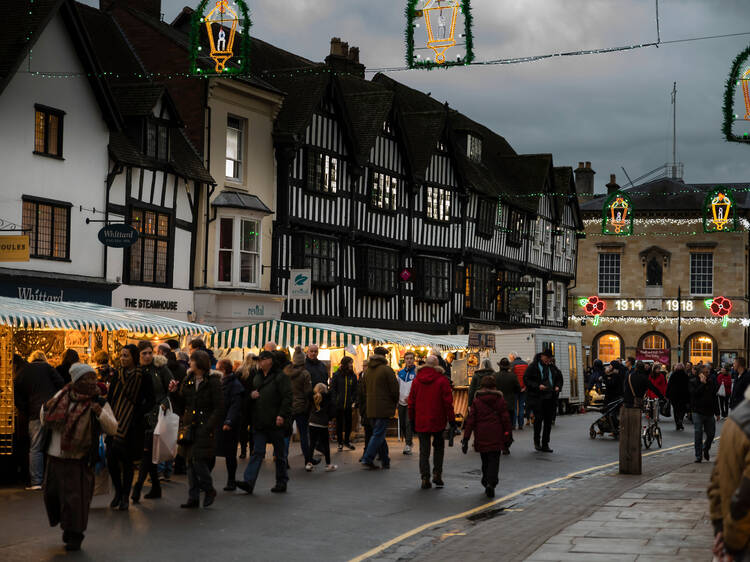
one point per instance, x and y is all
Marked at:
(630, 440)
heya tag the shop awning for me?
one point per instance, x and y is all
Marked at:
(30, 314)
(288, 334)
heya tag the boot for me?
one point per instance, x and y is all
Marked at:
(116, 500)
(136, 495)
(155, 491)
(437, 479)
(426, 484)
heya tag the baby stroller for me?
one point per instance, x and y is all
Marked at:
(609, 422)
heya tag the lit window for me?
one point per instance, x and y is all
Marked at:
(322, 172)
(148, 256)
(701, 348)
(48, 227)
(609, 274)
(608, 348)
(235, 130)
(438, 203)
(701, 273)
(654, 341)
(48, 131)
(481, 284)
(384, 191)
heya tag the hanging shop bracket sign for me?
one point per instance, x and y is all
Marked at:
(14, 248)
(118, 235)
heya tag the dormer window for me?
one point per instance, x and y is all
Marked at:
(157, 140)
(474, 148)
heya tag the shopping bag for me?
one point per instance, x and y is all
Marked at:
(665, 408)
(722, 391)
(165, 435)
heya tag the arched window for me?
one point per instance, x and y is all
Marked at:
(653, 341)
(609, 346)
(700, 348)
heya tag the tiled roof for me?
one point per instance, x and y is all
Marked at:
(237, 200)
(137, 99)
(521, 176)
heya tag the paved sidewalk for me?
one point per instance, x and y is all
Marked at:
(664, 519)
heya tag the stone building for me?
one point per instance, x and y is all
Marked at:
(656, 282)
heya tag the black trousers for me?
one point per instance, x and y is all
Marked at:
(724, 405)
(490, 469)
(319, 440)
(344, 425)
(120, 466)
(148, 468)
(429, 441)
(678, 411)
(544, 413)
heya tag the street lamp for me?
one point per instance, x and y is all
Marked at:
(440, 19)
(221, 45)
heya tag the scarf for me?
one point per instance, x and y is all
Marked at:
(68, 413)
(124, 399)
(546, 374)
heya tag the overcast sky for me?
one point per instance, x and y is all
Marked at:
(611, 109)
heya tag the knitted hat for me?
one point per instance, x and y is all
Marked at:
(298, 357)
(77, 370)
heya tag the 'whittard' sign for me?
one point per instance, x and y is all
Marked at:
(118, 235)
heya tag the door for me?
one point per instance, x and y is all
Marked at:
(573, 370)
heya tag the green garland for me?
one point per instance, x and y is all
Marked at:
(244, 56)
(732, 82)
(411, 60)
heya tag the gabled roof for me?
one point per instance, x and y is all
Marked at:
(304, 94)
(137, 99)
(683, 197)
(523, 175)
(565, 184)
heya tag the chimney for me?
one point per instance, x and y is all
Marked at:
(584, 181)
(344, 58)
(149, 7)
(612, 185)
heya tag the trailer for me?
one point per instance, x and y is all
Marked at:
(565, 345)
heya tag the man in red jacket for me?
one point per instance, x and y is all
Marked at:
(430, 410)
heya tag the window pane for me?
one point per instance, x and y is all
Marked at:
(44, 226)
(29, 222)
(333, 172)
(39, 131)
(233, 144)
(149, 226)
(249, 236)
(151, 139)
(60, 243)
(701, 273)
(161, 261)
(225, 266)
(149, 245)
(248, 267)
(163, 143)
(137, 217)
(226, 237)
(135, 260)
(52, 135)
(163, 225)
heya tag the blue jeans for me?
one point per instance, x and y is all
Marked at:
(303, 426)
(36, 454)
(520, 407)
(166, 468)
(260, 439)
(703, 424)
(377, 445)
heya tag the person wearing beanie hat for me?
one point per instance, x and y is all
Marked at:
(75, 416)
(301, 393)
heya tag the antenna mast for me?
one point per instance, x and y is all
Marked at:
(675, 167)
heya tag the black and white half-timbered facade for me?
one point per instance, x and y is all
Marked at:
(410, 215)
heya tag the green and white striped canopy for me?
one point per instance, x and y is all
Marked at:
(31, 314)
(288, 334)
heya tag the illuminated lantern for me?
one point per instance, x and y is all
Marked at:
(719, 212)
(222, 15)
(720, 307)
(617, 215)
(440, 18)
(593, 306)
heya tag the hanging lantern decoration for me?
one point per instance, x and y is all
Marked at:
(617, 215)
(440, 26)
(720, 307)
(217, 26)
(738, 81)
(593, 306)
(719, 211)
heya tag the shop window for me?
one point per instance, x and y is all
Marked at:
(384, 190)
(239, 251)
(438, 203)
(149, 255)
(434, 279)
(517, 228)
(654, 341)
(377, 270)
(486, 217)
(573, 369)
(320, 255)
(48, 225)
(48, 131)
(700, 349)
(480, 287)
(608, 347)
(609, 274)
(322, 172)
(235, 144)
(701, 273)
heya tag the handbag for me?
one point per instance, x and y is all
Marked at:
(665, 408)
(722, 391)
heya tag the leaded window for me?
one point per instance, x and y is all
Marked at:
(486, 217)
(319, 254)
(438, 203)
(384, 191)
(322, 172)
(48, 131)
(149, 255)
(48, 227)
(435, 277)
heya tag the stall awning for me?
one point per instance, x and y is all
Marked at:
(288, 334)
(30, 314)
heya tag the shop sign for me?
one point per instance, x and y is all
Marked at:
(118, 235)
(257, 310)
(152, 304)
(519, 301)
(655, 355)
(14, 248)
(481, 341)
(300, 284)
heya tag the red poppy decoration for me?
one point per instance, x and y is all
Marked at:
(594, 306)
(721, 306)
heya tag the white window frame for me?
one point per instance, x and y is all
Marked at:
(438, 203)
(239, 163)
(703, 254)
(599, 273)
(538, 309)
(237, 251)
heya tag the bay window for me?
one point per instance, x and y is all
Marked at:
(239, 251)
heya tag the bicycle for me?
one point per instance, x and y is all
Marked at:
(651, 431)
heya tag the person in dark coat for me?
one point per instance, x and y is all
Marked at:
(301, 399)
(637, 385)
(344, 390)
(741, 383)
(177, 369)
(155, 372)
(362, 407)
(381, 392)
(36, 382)
(104, 372)
(271, 418)
(542, 386)
(322, 410)
(724, 379)
(229, 428)
(131, 397)
(507, 383)
(476, 379)
(490, 423)
(678, 392)
(199, 398)
(317, 369)
(69, 358)
(705, 408)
